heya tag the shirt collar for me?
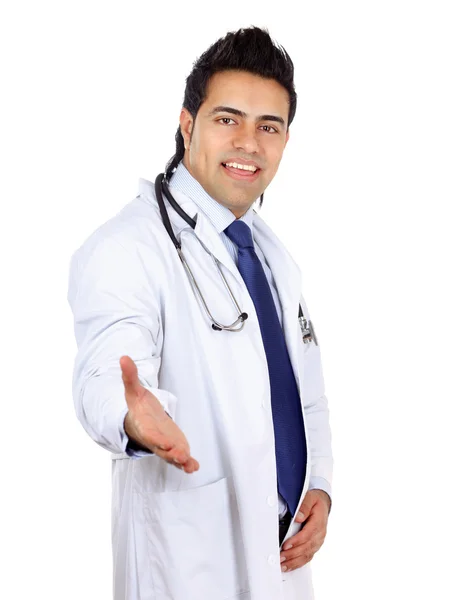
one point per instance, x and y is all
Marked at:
(219, 215)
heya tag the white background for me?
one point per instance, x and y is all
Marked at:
(91, 93)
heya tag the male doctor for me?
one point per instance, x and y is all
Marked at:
(220, 440)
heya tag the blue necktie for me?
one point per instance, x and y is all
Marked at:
(290, 443)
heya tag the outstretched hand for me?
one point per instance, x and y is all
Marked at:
(148, 424)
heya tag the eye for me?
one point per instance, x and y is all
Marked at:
(273, 129)
(270, 127)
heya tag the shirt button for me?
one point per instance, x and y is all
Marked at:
(270, 500)
(272, 559)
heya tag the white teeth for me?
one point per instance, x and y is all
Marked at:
(244, 167)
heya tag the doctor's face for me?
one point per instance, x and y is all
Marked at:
(243, 120)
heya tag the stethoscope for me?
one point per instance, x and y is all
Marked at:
(162, 187)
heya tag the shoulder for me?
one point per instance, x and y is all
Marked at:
(136, 225)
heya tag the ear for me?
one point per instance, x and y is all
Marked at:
(186, 126)
(287, 138)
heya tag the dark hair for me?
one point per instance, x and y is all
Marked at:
(250, 50)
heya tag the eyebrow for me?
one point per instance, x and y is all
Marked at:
(240, 113)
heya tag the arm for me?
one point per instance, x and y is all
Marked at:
(317, 419)
(116, 312)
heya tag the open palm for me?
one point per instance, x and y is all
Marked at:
(148, 423)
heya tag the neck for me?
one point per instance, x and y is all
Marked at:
(236, 212)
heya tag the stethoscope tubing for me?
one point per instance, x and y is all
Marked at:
(160, 184)
(161, 187)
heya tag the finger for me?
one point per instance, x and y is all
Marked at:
(291, 565)
(309, 529)
(130, 376)
(165, 451)
(300, 516)
(166, 456)
(301, 555)
(305, 536)
(176, 455)
(191, 466)
(160, 444)
(316, 521)
(312, 544)
(160, 451)
(305, 508)
(165, 445)
(180, 454)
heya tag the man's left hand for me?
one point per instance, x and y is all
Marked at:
(305, 543)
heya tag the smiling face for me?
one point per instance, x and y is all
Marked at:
(243, 120)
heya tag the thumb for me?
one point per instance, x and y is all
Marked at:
(130, 376)
(304, 510)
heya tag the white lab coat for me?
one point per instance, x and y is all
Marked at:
(213, 534)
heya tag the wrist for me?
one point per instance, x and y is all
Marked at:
(325, 497)
(133, 442)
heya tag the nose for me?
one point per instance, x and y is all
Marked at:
(246, 139)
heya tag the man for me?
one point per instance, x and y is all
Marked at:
(221, 441)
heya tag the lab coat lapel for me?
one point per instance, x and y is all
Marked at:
(286, 272)
(287, 276)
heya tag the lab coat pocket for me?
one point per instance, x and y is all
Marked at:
(195, 543)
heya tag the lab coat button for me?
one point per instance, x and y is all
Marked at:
(270, 500)
(272, 559)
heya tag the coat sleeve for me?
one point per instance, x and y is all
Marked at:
(116, 312)
(316, 414)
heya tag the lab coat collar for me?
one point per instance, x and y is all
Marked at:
(285, 271)
(204, 230)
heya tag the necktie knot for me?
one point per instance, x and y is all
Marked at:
(239, 233)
